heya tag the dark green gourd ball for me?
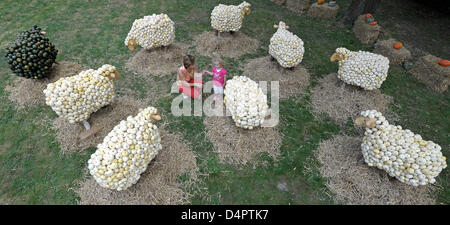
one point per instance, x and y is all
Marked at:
(31, 55)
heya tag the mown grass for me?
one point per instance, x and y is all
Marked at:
(34, 171)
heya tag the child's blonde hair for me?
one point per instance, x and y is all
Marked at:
(219, 60)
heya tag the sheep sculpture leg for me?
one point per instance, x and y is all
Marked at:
(361, 160)
(288, 69)
(391, 178)
(86, 125)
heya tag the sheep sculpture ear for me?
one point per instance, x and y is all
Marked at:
(43, 32)
(113, 75)
(156, 117)
(336, 56)
(275, 26)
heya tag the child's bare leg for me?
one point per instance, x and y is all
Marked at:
(216, 97)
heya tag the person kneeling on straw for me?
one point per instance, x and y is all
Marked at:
(187, 85)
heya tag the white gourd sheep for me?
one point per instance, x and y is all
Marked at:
(151, 32)
(363, 69)
(286, 47)
(228, 18)
(246, 102)
(401, 153)
(126, 151)
(75, 98)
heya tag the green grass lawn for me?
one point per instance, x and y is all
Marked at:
(34, 171)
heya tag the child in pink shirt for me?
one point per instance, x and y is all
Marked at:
(219, 76)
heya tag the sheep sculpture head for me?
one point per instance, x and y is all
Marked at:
(246, 8)
(365, 122)
(108, 71)
(340, 54)
(132, 43)
(112, 75)
(152, 116)
(281, 25)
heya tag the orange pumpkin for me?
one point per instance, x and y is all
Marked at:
(368, 15)
(398, 45)
(444, 62)
(373, 23)
(320, 2)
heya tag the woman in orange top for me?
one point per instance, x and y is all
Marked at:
(185, 79)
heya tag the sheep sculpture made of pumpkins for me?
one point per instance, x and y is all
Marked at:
(286, 47)
(126, 151)
(75, 98)
(246, 102)
(228, 18)
(401, 153)
(364, 69)
(151, 32)
(32, 54)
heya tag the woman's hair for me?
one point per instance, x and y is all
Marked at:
(219, 60)
(188, 60)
